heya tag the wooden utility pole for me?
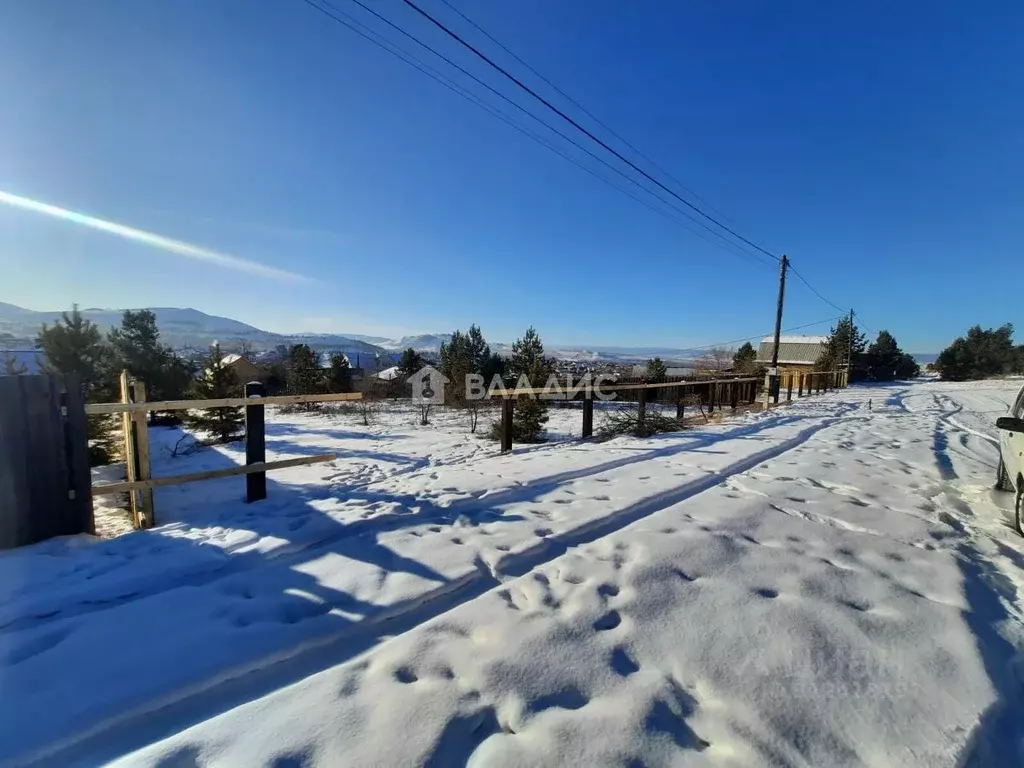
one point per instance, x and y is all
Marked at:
(773, 382)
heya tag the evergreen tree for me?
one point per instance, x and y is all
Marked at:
(656, 370)
(75, 345)
(304, 374)
(339, 377)
(479, 349)
(838, 349)
(410, 362)
(980, 354)
(456, 361)
(216, 381)
(531, 413)
(744, 359)
(493, 366)
(885, 361)
(136, 346)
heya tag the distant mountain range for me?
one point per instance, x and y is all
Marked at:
(190, 329)
(183, 329)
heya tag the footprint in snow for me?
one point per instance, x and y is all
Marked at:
(610, 620)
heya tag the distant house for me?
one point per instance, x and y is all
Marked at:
(243, 368)
(29, 359)
(795, 352)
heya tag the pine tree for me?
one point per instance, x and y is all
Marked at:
(339, 377)
(75, 345)
(838, 350)
(216, 381)
(656, 370)
(531, 413)
(304, 374)
(410, 362)
(136, 346)
(980, 354)
(479, 349)
(744, 360)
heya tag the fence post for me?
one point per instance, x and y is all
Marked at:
(588, 413)
(680, 403)
(641, 408)
(789, 388)
(711, 398)
(147, 513)
(734, 396)
(255, 442)
(129, 448)
(507, 406)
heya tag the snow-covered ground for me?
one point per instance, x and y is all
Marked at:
(824, 584)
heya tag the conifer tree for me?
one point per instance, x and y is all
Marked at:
(304, 374)
(656, 370)
(838, 349)
(136, 346)
(410, 362)
(75, 345)
(744, 360)
(216, 381)
(531, 413)
(339, 377)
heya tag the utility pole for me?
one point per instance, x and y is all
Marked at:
(849, 352)
(772, 382)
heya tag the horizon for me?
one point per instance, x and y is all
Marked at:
(730, 344)
(293, 176)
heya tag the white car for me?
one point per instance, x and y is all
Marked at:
(1010, 475)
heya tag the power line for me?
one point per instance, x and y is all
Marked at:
(365, 32)
(762, 335)
(733, 246)
(580, 128)
(582, 108)
(813, 289)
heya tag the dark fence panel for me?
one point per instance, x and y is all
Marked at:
(45, 487)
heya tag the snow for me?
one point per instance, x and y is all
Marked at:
(823, 584)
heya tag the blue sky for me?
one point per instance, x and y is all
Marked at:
(877, 144)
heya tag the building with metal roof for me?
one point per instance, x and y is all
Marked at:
(794, 351)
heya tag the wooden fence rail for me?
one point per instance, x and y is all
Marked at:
(732, 390)
(224, 402)
(139, 483)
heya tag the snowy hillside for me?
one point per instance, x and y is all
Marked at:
(831, 583)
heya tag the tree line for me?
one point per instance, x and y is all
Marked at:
(76, 345)
(980, 354)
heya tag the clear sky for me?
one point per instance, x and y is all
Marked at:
(878, 144)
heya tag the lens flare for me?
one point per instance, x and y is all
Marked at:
(151, 239)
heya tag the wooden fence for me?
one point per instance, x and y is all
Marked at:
(44, 461)
(140, 482)
(710, 394)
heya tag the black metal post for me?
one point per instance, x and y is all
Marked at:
(506, 424)
(588, 414)
(255, 442)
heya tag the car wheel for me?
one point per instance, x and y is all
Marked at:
(1002, 479)
(1019, 508)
